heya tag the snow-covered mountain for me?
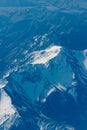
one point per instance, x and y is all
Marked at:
(28, 28)
(43, 65)
(53, 74)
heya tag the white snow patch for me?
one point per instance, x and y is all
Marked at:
(3, 83)
(73, 76)
(74, 83)
(43, 56)
(60, 87)
(50, 91)
(8, 113)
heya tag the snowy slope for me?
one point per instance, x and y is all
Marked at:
(8, 114)
(46, 68)
(45, 72)
(41, 81)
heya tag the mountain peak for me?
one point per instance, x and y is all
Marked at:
(43, 56)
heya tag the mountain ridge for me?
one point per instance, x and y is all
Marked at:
(36, 82)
